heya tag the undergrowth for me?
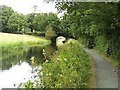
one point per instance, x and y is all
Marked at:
(101, 47)
(71, 69)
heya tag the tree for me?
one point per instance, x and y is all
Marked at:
(35, 8)
(54, 21)
(90, 20)
(40, 21)
(17, 23)
(5, 13)
(30, 18)
(50, 33)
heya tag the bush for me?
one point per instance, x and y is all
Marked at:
(71, 69)
(36, 33)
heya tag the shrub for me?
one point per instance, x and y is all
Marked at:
(38, 33)
(71, 69)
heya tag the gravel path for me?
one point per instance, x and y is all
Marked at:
(106, 77)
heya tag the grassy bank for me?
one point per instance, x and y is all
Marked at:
(101, 47)
(6, 38)
(111, 60)
(11, 44)
(70, 69)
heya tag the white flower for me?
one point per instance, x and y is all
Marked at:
(65, 59)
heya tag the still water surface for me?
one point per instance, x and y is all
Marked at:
(20, 67)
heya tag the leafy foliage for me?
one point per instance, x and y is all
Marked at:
(5, 13)
(49, 32)
(13, 22)
(70, 69)
(90, 20)
(39, 21)
(17, 22)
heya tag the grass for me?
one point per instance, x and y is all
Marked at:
(92, 82)
(111, 60)
(6, 38)
(10, 44)
(101, 48)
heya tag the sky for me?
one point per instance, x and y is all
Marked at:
(26, 6)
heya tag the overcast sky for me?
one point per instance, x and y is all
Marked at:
(25, 6)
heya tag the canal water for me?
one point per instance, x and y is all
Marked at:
(23, 66)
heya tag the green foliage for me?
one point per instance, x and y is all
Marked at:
(89, 20)
(101, 44)
(29, 85)
(39, 21)
(13, 22)
(30, 18)
(15, 42)
(108, 48)
(17, 23)
(54, 21)
(70, 69)
(49, 32)
(5, 13)
(36, 33)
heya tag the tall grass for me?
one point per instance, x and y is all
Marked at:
(11, 44)
(6, 38)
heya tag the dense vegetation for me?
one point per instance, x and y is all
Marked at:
(90, 21)
(34, 23)
(70, 67)
(97, 24)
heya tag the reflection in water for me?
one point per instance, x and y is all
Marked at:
(15, 75)
(49, 50)
(18, 58)
(20, 67)
(35, 55)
